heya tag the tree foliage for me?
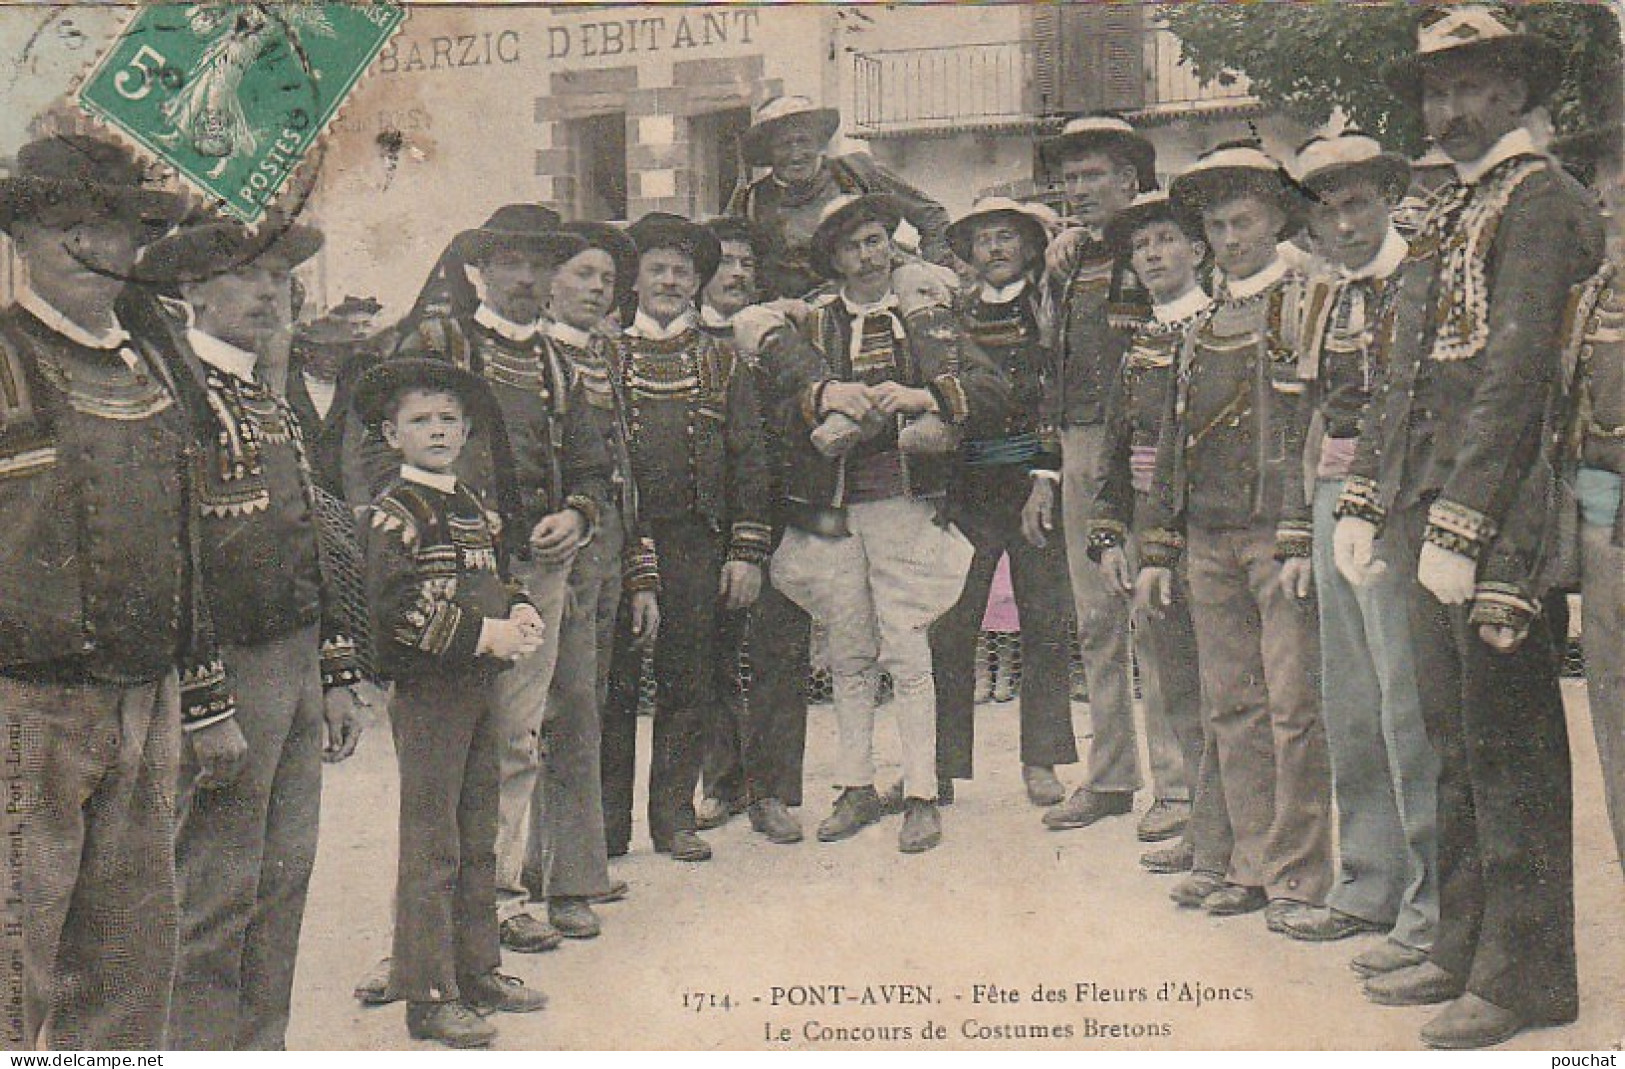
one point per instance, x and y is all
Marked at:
(1309, 58)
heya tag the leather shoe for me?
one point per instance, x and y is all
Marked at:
(686, 846)
(1194, 889)
(1470, 1023)
(711, 813)
(1169, 859)
(1419, 985)
(373, 990)
(772, 819)
(526, 934)
(945, 791)
(1283, 911)
(891, 800)
(1326, 925)
(922, 826)
(1086, 806)
(1044, 787)
(1232, 900)
(450, 1023)
(1387, 956)
(496, 992)
(1164, 820)
(855, 809)
(618, 890)
(573, 917)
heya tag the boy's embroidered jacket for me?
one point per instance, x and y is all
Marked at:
(926, 348)
(1231, 449)
(435, 574)
(591, 368)
(1464, 418)
(1013, 335)
(100, 575)
(1098, 304)
(537, 453)
(1139, 400)
(696, 436)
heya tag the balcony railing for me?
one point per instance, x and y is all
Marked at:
(1172, 86)
(952, 87)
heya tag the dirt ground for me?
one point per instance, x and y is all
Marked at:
(853, 945)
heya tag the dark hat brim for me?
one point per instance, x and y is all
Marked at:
(962, 234)
(387, 380)
(196, 253)
(1390, 172)
(1120, 144)
(871, 207)
(25, 196)
(612, 240)
(555, 246)
(1530, 56)
(757, 141)
(675, 232)
(1195, 191)
(1120, 230)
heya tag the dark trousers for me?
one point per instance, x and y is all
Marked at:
(691, 557)
(1506, 806)
(244, 854)
(445, 891)
(758, 736)
(987, 509)
(89, 823)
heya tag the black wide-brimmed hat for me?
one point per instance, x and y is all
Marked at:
(1104, 132)
(843, 215)
(214, 246)
(527, 228)
(1474, 31)
(1146, 209)
(76, 173)
(663, 230)
(1233, 169)
(614, 241)
(1024, 217)
(782, 113)
(387, 380)
(1351, 155)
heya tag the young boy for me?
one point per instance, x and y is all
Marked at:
(447, 622)
(1165, 250)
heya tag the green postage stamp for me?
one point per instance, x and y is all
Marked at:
(233, 95)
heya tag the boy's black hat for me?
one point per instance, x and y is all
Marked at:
(380, 385)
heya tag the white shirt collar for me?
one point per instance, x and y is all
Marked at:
(444, 481)
(564, 332)
(503, 327)
(1241, 289)
(1003, 294)
(1387, 260)
(321, 393)
(47, 313)
(710, 317)
(1182, 308)
(647, 327)
(1515, 142)
(222, 355)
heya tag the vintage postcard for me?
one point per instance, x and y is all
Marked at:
(866, 346)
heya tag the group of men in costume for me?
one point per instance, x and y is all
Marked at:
(1319, 497)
